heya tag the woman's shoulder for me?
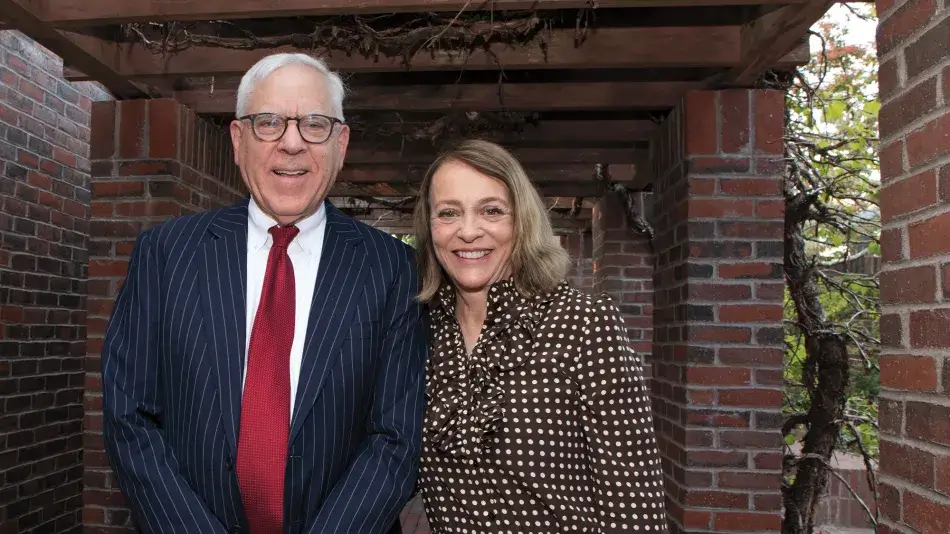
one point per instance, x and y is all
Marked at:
(582, 305)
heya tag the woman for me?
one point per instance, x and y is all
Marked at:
(537, 417)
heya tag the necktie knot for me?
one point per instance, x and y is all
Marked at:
(283, 235)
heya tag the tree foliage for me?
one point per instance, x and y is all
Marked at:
(832, 247)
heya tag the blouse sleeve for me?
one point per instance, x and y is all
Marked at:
(618, 424)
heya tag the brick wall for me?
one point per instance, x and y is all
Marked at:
(579, 246)
(623, 269)
(44, 200)
(151, 160)
(839, 507)
(718, 220)
(914, 46)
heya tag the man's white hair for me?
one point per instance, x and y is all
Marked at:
(266, 66)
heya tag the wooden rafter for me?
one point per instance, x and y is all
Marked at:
(602, 48)
(770, 37)
(482, 97)
(70, 13)
(367, 153)
(90, 54)
(552, 180)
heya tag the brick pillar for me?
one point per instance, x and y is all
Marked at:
(718, 219)
(579, 246)
(914, 414)
(151, 160)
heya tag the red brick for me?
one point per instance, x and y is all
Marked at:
(696, 458)
(912, 104)
(749, 480)
(751, 186)
(750, 313)
(747, 521)
(745, 270)
(888, 78)
(715, 499)
(767, 502)
(928, 422)
(718, 376)
(117, 189)
(892, 159)
(928, 50)
(942, 475)
(716, 419)
(716, 165)
(929, 142)
(910, 195)
(908, 463)
(769, 121)
(943, 181)
(102, 127)
(768, 460)
(696, 519)
(930, 237)
(700, 123)
(132, 135)
(766, 291)
(770, 209)
(750, 356)
(907, 372)
(720, 208)
(892, 247)
(930, 328)
(909, 285)
(924, 515)
(891, 332)
(734, 109)
(750, 397)
(163, 128)
(896, 28)
(889, 502)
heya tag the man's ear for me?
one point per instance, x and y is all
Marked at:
(236, 133)
(343, 142)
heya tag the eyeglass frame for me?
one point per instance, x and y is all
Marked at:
(286, 120)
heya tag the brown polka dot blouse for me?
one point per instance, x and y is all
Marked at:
(545, 427)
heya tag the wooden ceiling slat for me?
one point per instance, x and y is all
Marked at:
(363, 153)
(477, 97)
(70, 13)
(613, 48)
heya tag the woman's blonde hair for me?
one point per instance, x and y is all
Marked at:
(538, 261)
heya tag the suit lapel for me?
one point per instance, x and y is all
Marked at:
(224, 283)
(339, 283)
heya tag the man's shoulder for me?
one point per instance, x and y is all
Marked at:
(380, 242)
(183, 230)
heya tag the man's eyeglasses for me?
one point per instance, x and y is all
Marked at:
(314, 128)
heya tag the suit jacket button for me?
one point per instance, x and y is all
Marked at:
(230, 465)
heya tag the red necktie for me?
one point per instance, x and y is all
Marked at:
(265, 409)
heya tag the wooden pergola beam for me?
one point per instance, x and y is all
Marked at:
(70, 13)
(552, 180)
(770, 37)
(89, 54)
(602, 48)
(482, 97)
(363, 153)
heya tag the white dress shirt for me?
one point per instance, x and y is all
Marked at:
(304, 252)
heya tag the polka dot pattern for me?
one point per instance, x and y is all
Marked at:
(545, 427)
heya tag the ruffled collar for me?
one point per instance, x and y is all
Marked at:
(465, 394)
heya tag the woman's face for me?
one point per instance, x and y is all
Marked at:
(472, 226)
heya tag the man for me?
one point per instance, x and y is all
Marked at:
(263, 369)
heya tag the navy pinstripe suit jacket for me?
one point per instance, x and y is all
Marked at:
(172, 364)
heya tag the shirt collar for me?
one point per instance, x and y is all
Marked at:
(259, 223)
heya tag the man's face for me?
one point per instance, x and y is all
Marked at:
(289, 177)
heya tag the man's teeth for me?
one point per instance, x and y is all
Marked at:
(472, 254)
(289, 173)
